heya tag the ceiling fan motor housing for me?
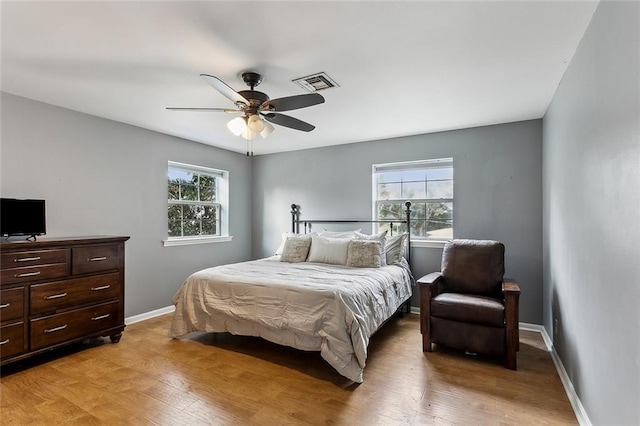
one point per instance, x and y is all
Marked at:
(252, 79)
(254, 97)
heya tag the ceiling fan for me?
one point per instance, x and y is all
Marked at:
(257, 110)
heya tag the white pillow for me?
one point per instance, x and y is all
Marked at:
(394, 249)
(382, 237)
(328, 250)
(364, 254)
(340, 234)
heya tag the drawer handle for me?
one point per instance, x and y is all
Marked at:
(4, 342)
(27, 259)
(5, 305)
(54, 329)
(55, 296)
(99, 317)
(102, 287)
(96, 259)
(27, 274)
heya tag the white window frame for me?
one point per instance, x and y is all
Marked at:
(222, 200)
(408, 165)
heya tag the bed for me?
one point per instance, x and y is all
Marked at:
(313, 304)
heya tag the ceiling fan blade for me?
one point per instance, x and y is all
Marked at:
(223, 88)
(287, 121)
(294, 102)
(204, 109)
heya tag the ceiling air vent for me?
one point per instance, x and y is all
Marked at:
(316, 82)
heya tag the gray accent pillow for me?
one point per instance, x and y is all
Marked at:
(364, 254)
(382, 237)
(285, 235)
(296, 249)
(394, 249)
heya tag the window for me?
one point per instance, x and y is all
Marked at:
(428, 184)
(197, 208)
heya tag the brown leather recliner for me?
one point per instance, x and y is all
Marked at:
(469, 305)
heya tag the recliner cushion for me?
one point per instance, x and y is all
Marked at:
(473, 266)
(468, 308)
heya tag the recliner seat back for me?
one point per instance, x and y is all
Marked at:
(473, 267)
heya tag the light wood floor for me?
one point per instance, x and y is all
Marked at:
(150, 379)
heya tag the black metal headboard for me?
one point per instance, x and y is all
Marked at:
(295, 223)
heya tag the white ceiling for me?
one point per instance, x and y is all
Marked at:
(403, 68)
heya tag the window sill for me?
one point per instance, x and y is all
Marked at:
(428, 243)
(186, 241)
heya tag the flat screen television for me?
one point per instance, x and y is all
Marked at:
(22, 217)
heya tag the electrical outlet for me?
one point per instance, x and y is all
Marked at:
(556, 326)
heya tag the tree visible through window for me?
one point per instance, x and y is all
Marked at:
(194, 205)
(428, 184)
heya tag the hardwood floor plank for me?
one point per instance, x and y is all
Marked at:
(220, 379)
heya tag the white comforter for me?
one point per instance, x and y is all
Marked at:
(308, 306)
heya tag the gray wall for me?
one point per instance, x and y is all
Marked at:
(591, 217)
(497, 190)
(103, 177)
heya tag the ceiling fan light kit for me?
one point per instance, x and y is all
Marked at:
(258, 110)
(237, 125)
(241, 126)
(255, 124)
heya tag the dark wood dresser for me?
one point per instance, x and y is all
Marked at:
(54, 292)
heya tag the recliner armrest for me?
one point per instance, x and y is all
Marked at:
(430, 279)
(510, 286)
(433, 283)
(511, 292)
(429, 286)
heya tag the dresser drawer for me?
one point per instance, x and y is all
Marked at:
(35, 273)
(94, 259)
(71, 325)
(11, 339)
(52, 297)
(19, 259)
(12, 303)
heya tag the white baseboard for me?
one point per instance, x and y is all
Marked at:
(577, 406)
(149, 315)
(575, 402)
(538, 329)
